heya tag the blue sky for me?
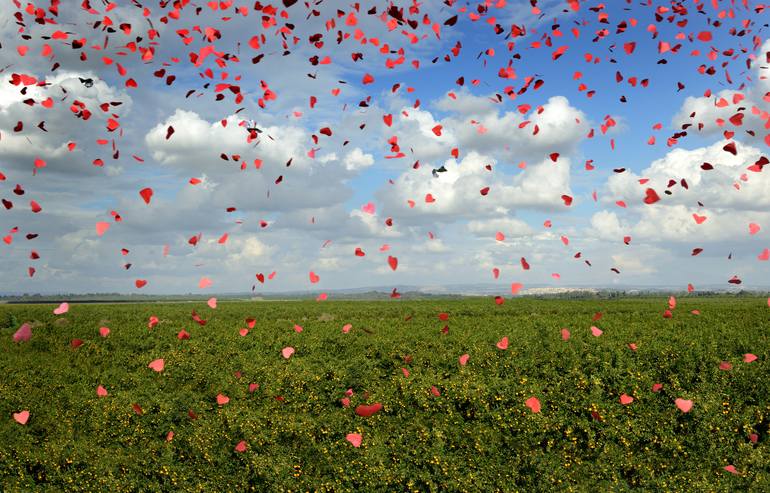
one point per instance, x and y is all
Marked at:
(320, 198)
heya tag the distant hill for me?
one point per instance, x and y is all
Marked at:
(384, 293)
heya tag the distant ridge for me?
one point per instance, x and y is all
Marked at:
(404, 292)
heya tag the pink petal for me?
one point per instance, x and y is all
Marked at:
(748, 358)
(503, 343)
(534, 404)
(157, 365)
(23, 334)
(684, 405)
(355, 439)
(21, 417)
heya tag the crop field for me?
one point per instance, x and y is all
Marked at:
(450, 395)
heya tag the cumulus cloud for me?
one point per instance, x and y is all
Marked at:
(475, 124)
(357, 160)
(47, 131)
(728, 184)
(744, 111)
(632, 263)
(675, 224)
(707, 204)
(198, 144)
(510, 227)
(278, 174)
(456, 193)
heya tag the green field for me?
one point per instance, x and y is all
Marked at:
(477, 434)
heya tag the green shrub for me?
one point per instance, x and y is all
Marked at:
(477, 435)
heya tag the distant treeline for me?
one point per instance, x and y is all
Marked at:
(368, 295)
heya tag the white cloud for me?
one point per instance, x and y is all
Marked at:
(67, 84)
(633, 264)
(287, 179)
(510, 227)
(715, 188)
(197, 143)
(732, 197)
(457, 191)
(357, 160)
(475, 124)
(61, 124)
(435, 246)
(243, 252)
(607, 225)
(711, 115)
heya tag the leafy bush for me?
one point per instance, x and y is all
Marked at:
(476, 434)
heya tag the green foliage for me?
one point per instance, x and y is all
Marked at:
(478, 435)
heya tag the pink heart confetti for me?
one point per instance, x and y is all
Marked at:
(204, 283)
(626, 399)
(101, 228)
(355, 439)
(23, 334)
(61, 309)
(503, 343)
(684, 405)
(157, 365)
(533, 403)
(21, 417)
